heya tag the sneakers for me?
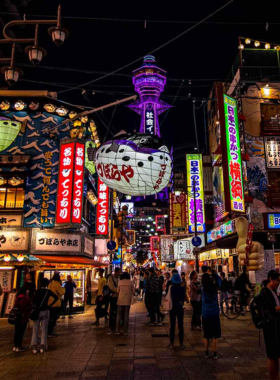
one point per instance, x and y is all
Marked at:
(14, 349)
(117, 333)
(215, 355)
(170, 346)
(110, 332)
(20, 349)
(70, 316)
(206, 354)
(42, 350)
(34, 350)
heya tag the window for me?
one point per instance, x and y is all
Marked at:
(270, 118)
(11, 198)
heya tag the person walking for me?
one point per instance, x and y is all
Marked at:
(224, 290)
(271, 327)
(176, 298)
(161, 281)
(195, 295)
(242, 284)
(126, 291)
(141, 285)
(153, 298)
(69, 286)
(23, 302)
(99, 299)
(30, 285)
(113, 282)
(55, 307)
(210, 311)
(40, 304)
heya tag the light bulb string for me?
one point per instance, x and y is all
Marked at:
(263, 42)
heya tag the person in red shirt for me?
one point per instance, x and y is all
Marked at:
(25, 306)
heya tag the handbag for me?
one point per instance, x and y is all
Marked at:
(35, 312)
(14, 315)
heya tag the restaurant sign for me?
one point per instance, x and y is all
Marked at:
(272, 150)
(234, 162)
(273, 221)
(178, 213)
(57, 242)
(14, 240)
(10, 220)
(166, 245)
(196, 193)
(224, 230)
(102, 214)
(183, 249)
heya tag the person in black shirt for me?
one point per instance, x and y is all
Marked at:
(69, 286)
(241, 285)
(40, 303)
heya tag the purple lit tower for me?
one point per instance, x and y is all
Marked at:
(149, 81)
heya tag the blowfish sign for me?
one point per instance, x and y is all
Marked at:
(70, 186)
(236, 193)
(102, 214)
(195, 189)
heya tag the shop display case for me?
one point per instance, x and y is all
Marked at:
(78, 276)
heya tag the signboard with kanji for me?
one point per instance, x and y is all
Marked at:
(272, 151)
(178, 213)
(273, 221)
(154, 243)
(6, 277)
(102, 213)
(235, 193)
(149, 118)
(166, 251)
(196, 193)
(57, 242)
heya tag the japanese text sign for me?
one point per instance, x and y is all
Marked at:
(225, 229)
(196, 207)
(272, 150)
(236, 192)
(57, 242)
(166, 243)
(102, 214)
(178, 217)
(149, 119)
(65, 184)
(154, 243)
(6, 280)
(78, 183)
(273, 221)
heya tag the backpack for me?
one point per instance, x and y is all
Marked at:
(14, 315)
(106, 292)
(257, 309)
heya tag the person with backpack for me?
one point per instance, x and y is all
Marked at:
(99, 299)
(42, 310)
(56, 287)
(113, 281)
(23, 305)
(210, 310)
(265, 310)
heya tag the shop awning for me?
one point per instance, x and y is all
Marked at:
(228, 242)
(70, 260)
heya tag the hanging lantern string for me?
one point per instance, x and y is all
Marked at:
(263, 42)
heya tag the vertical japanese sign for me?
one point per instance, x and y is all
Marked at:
(65, 184)
(78, 183)
(236, 192)
(178, 213)
(166, 243)
(154, 243)
(149, 119)
(46, 190)
(196, 193)
(102, 214)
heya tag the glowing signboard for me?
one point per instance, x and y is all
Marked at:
(149, 118)
(154, 243)
(78, 183)
(166, 243)
(65, 183)
(196, 193)
(178, 213)
(224, 230)
(102, 214)
(236, 192)
(273, 221)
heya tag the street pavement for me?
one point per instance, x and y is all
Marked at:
(83, 351)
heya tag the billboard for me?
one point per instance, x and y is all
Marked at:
(235, 194)
(102, 213)
(224, 230)
(178, 213)
(196, 208)
(273, 221)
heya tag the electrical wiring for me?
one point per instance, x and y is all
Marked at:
(153, 51)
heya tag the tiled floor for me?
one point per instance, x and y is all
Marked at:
(82, 351)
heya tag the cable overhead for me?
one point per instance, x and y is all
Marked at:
(153, 51)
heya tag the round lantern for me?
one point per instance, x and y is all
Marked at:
(8, 132)
(137, 164)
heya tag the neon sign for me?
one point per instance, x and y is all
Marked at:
(273, 221)
(224, 230)
(196, 191)
(149, 119)
(154, 243)
(234, 162)
(102, 214)
(78, 183)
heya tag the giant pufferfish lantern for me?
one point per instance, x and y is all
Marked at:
(138, 164)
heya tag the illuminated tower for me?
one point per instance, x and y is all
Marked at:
(149, 81)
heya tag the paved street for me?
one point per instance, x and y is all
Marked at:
(82, 351)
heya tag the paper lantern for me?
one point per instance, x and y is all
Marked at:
(8, 132)
(137, 164)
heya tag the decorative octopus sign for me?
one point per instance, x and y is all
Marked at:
(134, 165)
(236, 191)
(102, 214)
(70, 186)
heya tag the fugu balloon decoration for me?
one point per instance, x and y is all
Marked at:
(137, 164)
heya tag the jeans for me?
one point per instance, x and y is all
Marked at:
(113, 313)
(68, 298)
(54, 315)
(179, 313)
(153, 303)
(19, 334)
(196, 316)
(43, 320)
(122, 315)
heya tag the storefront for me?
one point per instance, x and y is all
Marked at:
(222, 260)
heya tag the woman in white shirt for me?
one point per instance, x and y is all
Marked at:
(126, 297)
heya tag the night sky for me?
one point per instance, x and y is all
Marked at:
(200, 57)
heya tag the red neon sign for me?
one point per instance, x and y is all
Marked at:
(78, 183)
(102, 215)
(154, 243)
(65, 184)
